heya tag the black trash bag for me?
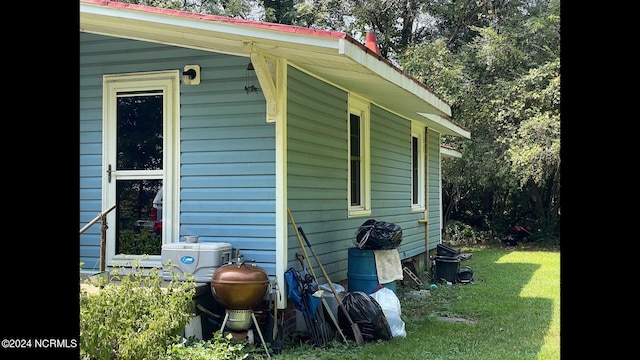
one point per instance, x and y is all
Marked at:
(367, 313)
(378, 235)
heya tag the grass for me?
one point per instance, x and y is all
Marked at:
(513, 309)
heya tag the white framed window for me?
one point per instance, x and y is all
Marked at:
(418, 174)
(359, 175)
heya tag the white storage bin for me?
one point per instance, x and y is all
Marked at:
(200, 259)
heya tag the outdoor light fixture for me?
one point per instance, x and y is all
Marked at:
(251, 80)
(191, 75)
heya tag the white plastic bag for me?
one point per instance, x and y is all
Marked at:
(391, 308)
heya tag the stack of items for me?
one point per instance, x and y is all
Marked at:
(375, 260)
(446, 266)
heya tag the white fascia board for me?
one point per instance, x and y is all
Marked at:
(392, 75)
(452, 128)
(446, 152)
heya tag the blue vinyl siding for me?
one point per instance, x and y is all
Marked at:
(317, 170)
(433, 188)
(391, 179)
(227, 148)
(317, 174)
(227, 159)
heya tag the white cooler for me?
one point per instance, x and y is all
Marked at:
(200, 259)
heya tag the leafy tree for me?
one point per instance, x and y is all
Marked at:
(397, 23)
(242, 9)
(457, 21)
(510, 171)
(534, 145)
(437, 67)
(279, 11)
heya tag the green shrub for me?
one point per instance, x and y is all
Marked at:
(219, 348)
(459, 233)
(133, 316)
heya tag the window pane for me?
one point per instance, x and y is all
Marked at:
(139, 219)
(139, 145)
(355, 182)
(354, 133)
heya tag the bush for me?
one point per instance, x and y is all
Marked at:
(135, 318)
(218, 348)
(459, 233)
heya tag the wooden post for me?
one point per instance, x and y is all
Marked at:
(103, 241)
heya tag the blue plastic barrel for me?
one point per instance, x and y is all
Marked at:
(362, 274)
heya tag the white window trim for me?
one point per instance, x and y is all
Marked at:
(360, 106)
(169, 81)
(418, 131)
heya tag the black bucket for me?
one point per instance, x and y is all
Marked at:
(446, 268)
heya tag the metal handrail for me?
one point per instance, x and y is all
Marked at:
(95, 220)
(103, 232)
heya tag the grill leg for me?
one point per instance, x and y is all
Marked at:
(255, 321)
(224, 322)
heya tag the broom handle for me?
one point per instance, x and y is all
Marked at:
(304, 251)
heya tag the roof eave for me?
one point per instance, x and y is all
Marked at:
(448, 152)
(330, 55)
(445, 126)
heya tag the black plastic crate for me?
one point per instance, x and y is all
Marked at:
(445, 250)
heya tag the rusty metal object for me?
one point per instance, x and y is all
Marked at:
(238, 286)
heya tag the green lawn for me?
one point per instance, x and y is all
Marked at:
(513, 309)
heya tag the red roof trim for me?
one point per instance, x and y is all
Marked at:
(263, 25)
(223, 19)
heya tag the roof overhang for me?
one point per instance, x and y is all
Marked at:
(447, 152)
(329, 55)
